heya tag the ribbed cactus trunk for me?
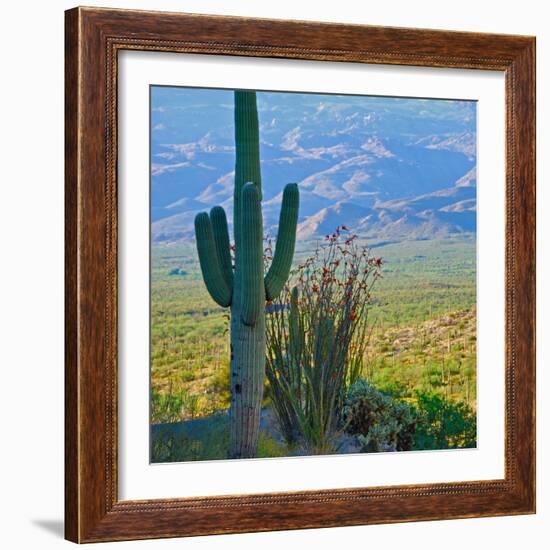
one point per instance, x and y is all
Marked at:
(247, 369)
(244, 288)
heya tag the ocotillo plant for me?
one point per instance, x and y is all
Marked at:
(317, 333)
(244, 287)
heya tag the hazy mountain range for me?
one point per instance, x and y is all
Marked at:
(386, 167)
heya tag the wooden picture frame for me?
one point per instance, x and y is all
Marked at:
(93, 511)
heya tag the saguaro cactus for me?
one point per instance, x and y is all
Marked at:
(244, 287)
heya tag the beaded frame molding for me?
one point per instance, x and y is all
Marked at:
(93, 38)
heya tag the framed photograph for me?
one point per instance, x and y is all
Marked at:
(300, 275)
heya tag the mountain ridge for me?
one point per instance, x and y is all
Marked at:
(388, 168)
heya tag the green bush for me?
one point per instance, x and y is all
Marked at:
(379, 422)
(382, 422)
(443, 424)
(173, 406)
(166, 407)
(177, 271)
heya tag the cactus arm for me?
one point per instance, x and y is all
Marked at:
(210, 266)
(221, 239)
(253, 293)
(286, 241)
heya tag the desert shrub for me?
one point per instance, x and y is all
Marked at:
(383, 422)
(187, 375)
(394, 389)
(379, 422)
(177, 271)
(443, 424)
(173, 405)
(166, 407)
(317, 332)
(269, 447)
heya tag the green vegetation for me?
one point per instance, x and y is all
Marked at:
(422, 344)
(425, 279)
(437, 355)
(380, 422)
(372, 421)
(443, 424)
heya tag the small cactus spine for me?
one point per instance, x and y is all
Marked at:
(244, 287)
